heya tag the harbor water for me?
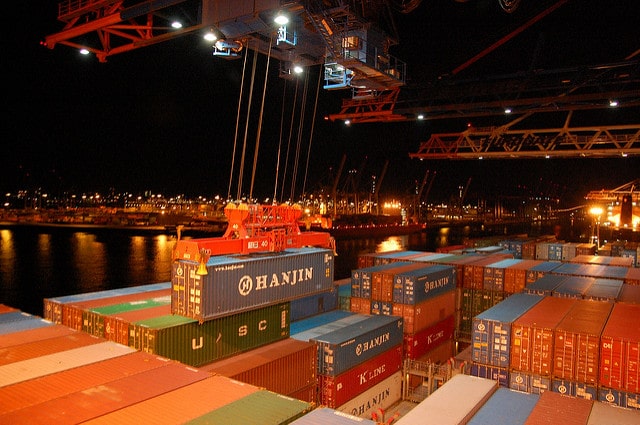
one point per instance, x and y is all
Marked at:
(41, 262)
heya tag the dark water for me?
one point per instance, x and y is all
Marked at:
(38, 263)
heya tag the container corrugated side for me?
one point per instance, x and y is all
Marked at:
(33, 349)
(575, 389)
(495, 373)
(494, 410)
(494, 274)
(620, 349)
(551, 404)
(44, 364)
(456, 402)
(383, 281)
(181, 404)
(577, 341)
(344, 348)
(491, 337)
(426, 313)
(604, 290)
(425, 283)
(91, 369)
(101, 399)
(334, 391)
(283, 367)
(380, 396)
(248, 282)
(260, 408)
(529, 382)
(545, 285)
(314, 304)
(630, 293)
(515, 276)
(73, 314)
(326, 415)
(573, 287)
(532, 335)
(361, 279)
(184, 339)
(419, 343)
(633, 276)
(53, 306)
(116, 327)
(93, 319)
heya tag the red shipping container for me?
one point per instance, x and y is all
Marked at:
(515, 276)
(418, 344)
(360, 305)
(116, 327)
(532, 335)
(620, 349)
(633, 276)
(72, 313)
(577, 341)
(283, 367)
(553, 407)
(34, 349)
(427, 313)
(334, 391)
(37, 334)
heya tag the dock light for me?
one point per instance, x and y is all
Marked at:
(177, 25)
(297, 69)
(281, 19)
(420, 117)
(613, 103)
(347, 122)
(210, 36)
(84, 51)
(507, 110)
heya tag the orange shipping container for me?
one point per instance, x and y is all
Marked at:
(532, 335)
(427, 313)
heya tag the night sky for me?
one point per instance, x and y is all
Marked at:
(163, 117)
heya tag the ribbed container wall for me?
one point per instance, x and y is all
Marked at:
(545, 285)
(334, 391)
(361, 279)
(54, 307)
(184, 339)
(419, 343)
(515, 276)
(577, 341)
(426, 313)
(116, 327)
(344, 348)
(313, 304)
(491, 338)
(620, 349)
(573, 287)
(413, 287)
(93, 319)
(380, 396)
(240, 283)
(284, 367)
(383, 282)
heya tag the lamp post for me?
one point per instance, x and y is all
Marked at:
(596, 212)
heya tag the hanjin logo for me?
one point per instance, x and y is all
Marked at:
(291, 278)
(245, 285)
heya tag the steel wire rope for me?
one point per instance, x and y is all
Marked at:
(257, 145)
(275, 186)
(313, 122)
(286, 162)
(296, 163)
(235, 137)
(246, 128)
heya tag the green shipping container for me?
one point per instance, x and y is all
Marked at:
(260, 408)
(185, 340)
(93, 319)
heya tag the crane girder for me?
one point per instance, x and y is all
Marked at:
(501, 143)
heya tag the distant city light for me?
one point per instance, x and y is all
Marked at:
(507, 110)
(176, 25)
(613, 103)
(420, 116)
(210, 36)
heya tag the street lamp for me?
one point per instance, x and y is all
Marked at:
(596, 212)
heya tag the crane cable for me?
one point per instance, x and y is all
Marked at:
(275, 186)
(235, 137)
(257, 146)
(286, 162)
(294, 171)
(246, 128)
(313, 122)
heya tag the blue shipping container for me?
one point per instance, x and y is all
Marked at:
(505, 407)
(491, 334)
(422, 284)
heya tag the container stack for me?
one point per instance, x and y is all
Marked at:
(359, 358)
